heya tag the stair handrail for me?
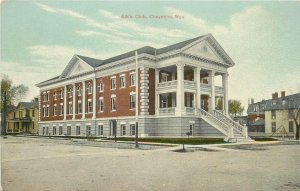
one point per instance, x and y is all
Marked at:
(228, 120)
(215, 120)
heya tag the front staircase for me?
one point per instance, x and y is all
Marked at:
(233, 131)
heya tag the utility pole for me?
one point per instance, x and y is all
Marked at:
(136, 101)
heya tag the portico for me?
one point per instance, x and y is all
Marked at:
(183, 89)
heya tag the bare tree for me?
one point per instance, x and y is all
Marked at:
(10, 96)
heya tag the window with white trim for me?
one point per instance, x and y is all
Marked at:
(77, 130)
(79, 107)
(101, 104)
(54, 130)
(44, 111)
(70, 109)
(113, 83)
(88, 130)
(113, 103)
(101, 86)
(100, 130)
(60, 130)
(70, 91)
(273, 126)
(89, 88)
(123, 129)
(132, 129)
(47, 110)
(62, 94)
(291, 126)
(90, 106)
(132, 101)
(79, 90)
(132, 79)
(55, 95)
(55, 110)
(61, 111)
(122, 81)
(68, 130)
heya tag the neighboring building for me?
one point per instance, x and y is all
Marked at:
(176, 93)
(273, 117)
(23, 119)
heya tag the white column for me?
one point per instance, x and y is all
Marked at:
(212, 85)
(180, 89)
(94, 98)
(74, 105)
(225, 87)
(83, 100)
(65, 102)
(198, 93)
(157, 94)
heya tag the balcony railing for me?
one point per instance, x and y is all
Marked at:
(190, 110)
(167, 84)
(167, 111)
(189, 84)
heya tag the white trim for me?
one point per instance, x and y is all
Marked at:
(113, 95)
(88, 124)
(77, 124)
(112, 77)
(100, 123)
(132, 93)
(131, 122)
(122, 74)
(122, 123)
(68, 125)
(191, 122)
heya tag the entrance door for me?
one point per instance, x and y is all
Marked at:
(113, 128)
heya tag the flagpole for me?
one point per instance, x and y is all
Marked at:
(136, 100)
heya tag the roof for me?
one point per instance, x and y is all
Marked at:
(282, 103)
(29, 105)
(94, 63)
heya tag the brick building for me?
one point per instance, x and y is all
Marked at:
(176, 93)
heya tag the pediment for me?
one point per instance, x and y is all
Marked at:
(80, 67)
(76, 66)
(205, 50)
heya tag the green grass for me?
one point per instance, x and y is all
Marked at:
(192, 141)
(264, 139)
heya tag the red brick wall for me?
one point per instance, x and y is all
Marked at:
(151, 90)
(51, 103)
(88, 96)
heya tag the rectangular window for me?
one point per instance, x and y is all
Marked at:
(48, 97)
(32, 113)
(60, 130)
(101, 86)
(132, 129)
(55, 96)
(70, 92)
(61, 111)
(291, 126)
(123, 129)
(89, 88)
(45, 97)
(88, 130)
(69, 130)
(70, 108)
(44, 111)
(132, 101)
(54, 130)
(113, 103)
(90, 106)
(54, 110)
(79, 106)
(79, 91)
(273, 126)
(191, 132)
(20, 114)
(100, 130)
(113, 83)
(61, 94)
(273, 113)
(132, 79)
(101, 104)
(78, 130)
(122, 81)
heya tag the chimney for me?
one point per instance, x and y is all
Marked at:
(282, 94)
(275, 95)
(252, 101)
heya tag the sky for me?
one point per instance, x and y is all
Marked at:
(38, 38)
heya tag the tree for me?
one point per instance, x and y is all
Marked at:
(10, 96)
(235, 106)
(297, 122)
